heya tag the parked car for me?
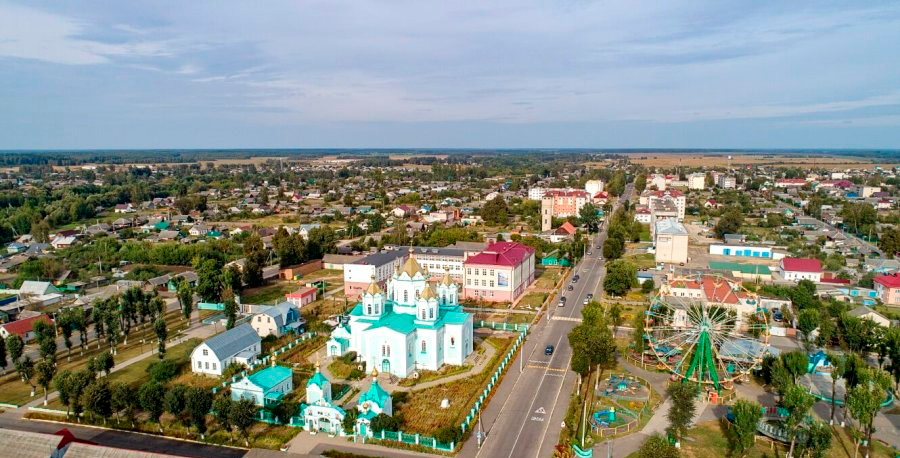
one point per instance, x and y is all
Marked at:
(586, 300)
(549, 350)
(590, 295)
(570, 288)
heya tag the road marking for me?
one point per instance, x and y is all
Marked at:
(566, 318)
(537, 418)
(540, 410)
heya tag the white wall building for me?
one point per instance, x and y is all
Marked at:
(671, 242)
(240, 344)
(593, 186)
(697, 181)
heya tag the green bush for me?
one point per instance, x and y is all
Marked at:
(164, 370)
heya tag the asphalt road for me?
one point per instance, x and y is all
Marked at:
(526, 416)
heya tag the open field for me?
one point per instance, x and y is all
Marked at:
(137, 372)
(778, 160)
(421, 409)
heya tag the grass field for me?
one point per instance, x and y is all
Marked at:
(269, 294)
(421, 409)
(547, 278)
(137, 372)
(532, 301)
(719, 160)
(642, 261)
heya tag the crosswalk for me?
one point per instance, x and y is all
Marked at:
(566, 318)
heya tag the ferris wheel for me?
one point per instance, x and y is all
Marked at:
(706, 330)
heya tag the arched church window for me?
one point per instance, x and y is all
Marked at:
(430, 312)
(452, 341)
(423, 346)
(423, 314)
(405, 296)
(369, 309)
(383, 351)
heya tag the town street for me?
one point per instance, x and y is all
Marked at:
(525, 417)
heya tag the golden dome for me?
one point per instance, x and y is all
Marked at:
(428, 293)
(447, 281)
(411, 266)
(373, 287)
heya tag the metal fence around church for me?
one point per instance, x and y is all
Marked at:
(522, 329)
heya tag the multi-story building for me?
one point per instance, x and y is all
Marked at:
(382, 265)
(726, 182)
(658, 181)
(888, 288)
(671, 240)
(592, 187)
(500, 273)
(647, 198)
(561, 204)
(697, 181)
(790, 183)
(536, 193)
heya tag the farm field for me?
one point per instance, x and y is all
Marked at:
(720, 160)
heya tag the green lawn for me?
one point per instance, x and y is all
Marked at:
(547, 278)
(642, 261)
(270, 294)
(532, 301)
(137, 372)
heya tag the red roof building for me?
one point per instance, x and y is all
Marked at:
(23, 328)
(797, 269)
(500, 273)
(888, 288)
(566, 229)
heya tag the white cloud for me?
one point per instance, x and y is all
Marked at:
(28, 33)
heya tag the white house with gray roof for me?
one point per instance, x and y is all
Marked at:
(240, 344)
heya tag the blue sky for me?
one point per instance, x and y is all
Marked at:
(417, 73)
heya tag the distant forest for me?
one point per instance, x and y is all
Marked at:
(372, 156)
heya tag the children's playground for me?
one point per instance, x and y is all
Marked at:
(622, 400)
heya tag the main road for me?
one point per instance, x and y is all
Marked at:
(524, 419)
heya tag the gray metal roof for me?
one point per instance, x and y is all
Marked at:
(232, 341)
(79, 450)
(28, 444)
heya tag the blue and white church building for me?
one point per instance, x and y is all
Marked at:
(412, 326)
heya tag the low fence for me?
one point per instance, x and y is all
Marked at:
(414, 439)
(498, 374)
(502, 326)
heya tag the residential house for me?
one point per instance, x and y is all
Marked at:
(277, 320)
(796, 269)
(240, 345)
(302, 296)
(23, 328)
(867, 313)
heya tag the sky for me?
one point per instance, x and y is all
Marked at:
(451, 74)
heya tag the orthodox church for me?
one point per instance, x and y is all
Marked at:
(414, 325)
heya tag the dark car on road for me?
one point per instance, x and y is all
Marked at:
(549, 350)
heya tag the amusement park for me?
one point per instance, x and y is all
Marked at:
(744, 385)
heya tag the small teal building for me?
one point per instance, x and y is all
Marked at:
(320, 413)
(266, 387)
(373, 402)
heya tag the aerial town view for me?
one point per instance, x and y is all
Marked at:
(512, 229)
